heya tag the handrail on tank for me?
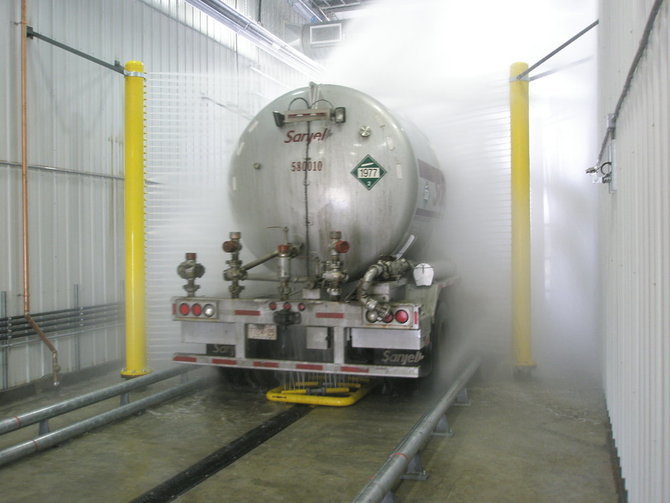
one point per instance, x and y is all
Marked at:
(38, 415)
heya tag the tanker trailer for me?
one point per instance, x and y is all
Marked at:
(338, 199)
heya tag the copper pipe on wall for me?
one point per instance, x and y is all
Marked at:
(55, 367)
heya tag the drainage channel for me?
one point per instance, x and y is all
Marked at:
(219, 459)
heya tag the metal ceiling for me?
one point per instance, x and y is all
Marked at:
(333, 8)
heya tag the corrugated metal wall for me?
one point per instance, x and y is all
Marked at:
(75, 123)
(635, 227)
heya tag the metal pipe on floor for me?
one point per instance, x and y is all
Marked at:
(54, 438)
(396, 465)
(55, 367)
(35, 416)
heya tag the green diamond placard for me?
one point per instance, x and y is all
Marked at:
(368, 172)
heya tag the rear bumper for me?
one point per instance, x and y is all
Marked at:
(409, 371)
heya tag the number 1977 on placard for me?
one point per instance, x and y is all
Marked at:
(368, 172)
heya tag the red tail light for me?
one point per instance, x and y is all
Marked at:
(196, 309)
(401, 316)
(184, 309)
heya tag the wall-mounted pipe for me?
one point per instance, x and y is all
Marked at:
(136, 344)
(519, 133)
(55, 367)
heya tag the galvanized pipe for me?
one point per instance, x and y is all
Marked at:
(35, 416)
(396, 465)
(52, 169)
(259, 261)
(4, 349)
(51, 439)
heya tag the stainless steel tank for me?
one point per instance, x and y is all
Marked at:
(330, 158)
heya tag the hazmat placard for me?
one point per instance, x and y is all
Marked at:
(368, 172)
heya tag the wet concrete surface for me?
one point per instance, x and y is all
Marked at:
(538, 441)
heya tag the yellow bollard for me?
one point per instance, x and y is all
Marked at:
(521, 304)
(136, 346)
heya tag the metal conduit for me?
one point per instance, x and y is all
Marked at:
(63, 319)
(32, 417)
(396, 464)
(64, 171)
(54, 438)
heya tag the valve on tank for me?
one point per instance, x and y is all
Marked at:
(190, 270)
(334, 275)
(235, 273)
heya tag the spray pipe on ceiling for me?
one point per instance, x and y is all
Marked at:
(251, 30)
(308, 10)
(55, 367)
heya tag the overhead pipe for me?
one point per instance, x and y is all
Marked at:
(309, 10)
(55, 366)
(520, 146)
(251, 30)
(136, 344)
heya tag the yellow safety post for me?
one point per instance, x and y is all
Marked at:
(521, 304)
(136, 345)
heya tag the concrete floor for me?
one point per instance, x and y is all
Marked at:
(539, 441)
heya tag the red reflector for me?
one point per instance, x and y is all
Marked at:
(184, 309)
(330, 315)
(401, 316)
(341, 247)
(301, 306)
(272, 365)
(174, 309)
(354, 369)
(308, 366)
(184, 359)
(416, 317)
(246, 312)
(196, 309)
(221, 361)
(287, 306)
(272, 306)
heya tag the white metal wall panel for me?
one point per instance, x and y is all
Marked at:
(75, 114)
(635, 224)
(194, 119)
